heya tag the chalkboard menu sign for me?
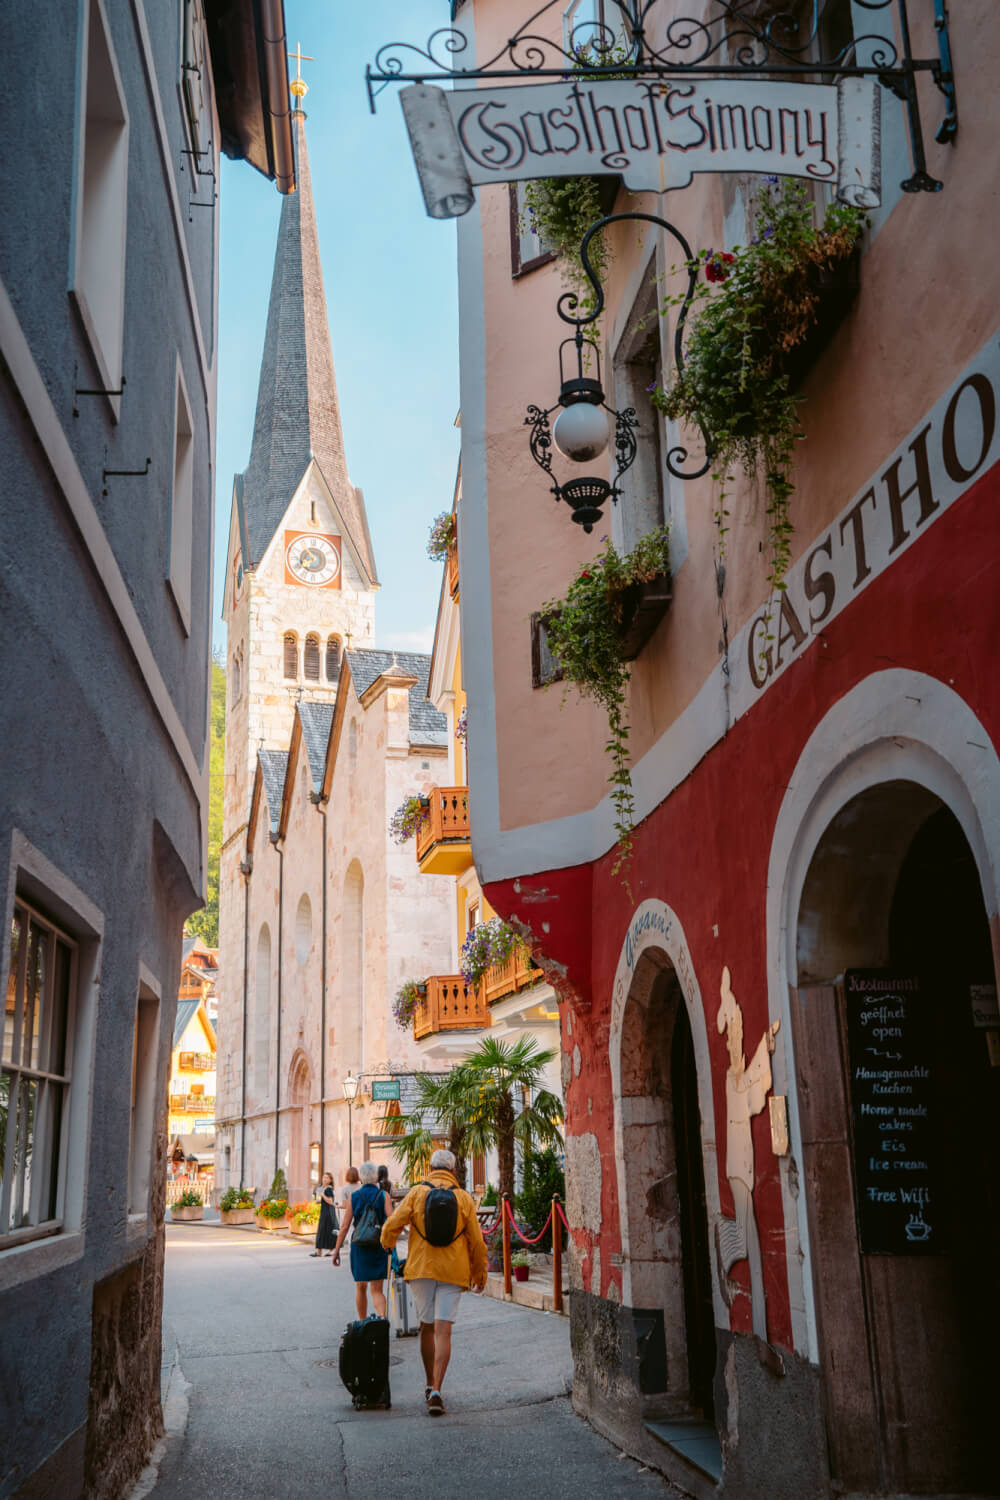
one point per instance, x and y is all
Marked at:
(890, 1059)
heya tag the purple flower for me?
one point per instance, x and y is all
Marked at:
(768, 231)
(772, 180)
(407, 820)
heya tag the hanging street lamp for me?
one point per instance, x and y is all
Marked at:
(350, 1090)
(582, 430)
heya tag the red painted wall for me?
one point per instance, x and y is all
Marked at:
(705, 850)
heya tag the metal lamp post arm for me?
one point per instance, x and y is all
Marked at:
(569, 302)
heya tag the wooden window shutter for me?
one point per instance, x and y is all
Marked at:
(332, 658)
(291, 657)
(310, 660)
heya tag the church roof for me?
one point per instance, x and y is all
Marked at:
(273, 764)
(427, 725)
(298, 414)
(316, 719)
(186, 1009)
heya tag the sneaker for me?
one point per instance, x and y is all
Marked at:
(435, 1406)
(427, 1392)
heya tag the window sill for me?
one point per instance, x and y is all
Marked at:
(47, 1250)
(644, 606)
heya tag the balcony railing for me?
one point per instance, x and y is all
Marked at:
(196, 1104)
(198, 1062)
(514, 974)
(446, 828)
(450, 1004)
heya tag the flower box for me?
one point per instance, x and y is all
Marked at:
(643, 607)
(837, 286)
(237, 1215)
(271, 1224)
(303, 1227)
(181, 1215)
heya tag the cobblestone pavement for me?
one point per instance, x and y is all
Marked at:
(252, 1326)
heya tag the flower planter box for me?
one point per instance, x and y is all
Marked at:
(179, 1215)
(837, 287)
(644, 606)
(237, 1215)
(521, 1273)
(271, 1224)
(306, 1229)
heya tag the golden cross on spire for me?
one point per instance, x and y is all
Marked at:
(298, 85)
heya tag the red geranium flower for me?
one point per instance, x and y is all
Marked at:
(717, 267)
(584, 574)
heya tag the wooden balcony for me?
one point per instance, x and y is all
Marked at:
(197, 1062)
(508, 978)
(192, 1104)
(450, 1004)
(444, 844)
(452, 566)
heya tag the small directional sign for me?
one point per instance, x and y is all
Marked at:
(385, 1088)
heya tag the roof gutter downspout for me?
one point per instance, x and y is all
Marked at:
(246, 870)
(277, 1063)
(320, 803)
(279, 116)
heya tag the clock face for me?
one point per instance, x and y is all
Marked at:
(312, 559)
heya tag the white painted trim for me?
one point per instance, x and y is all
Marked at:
(894, 725)
(167, 155)
(44, 419)
(723, 698)
(654, 925)
(83, 921)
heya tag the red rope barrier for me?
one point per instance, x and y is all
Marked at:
(520, 1232)
(562, 1215)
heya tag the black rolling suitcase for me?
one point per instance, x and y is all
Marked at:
(364, 1362)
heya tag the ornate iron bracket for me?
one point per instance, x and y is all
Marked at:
(730, 40)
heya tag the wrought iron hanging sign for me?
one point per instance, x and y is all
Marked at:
(657, 96)
(657, 135)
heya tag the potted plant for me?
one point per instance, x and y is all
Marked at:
(442, 536)
(407, 999)
(408, 819)
(236, 1206)
(590, 635)
(189, 1205)
(765, 311)
(271, 1214)
(303, 1218)
(521, 1265)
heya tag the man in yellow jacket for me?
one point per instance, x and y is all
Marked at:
(438, 1274)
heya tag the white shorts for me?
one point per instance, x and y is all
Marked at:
(436, 1301)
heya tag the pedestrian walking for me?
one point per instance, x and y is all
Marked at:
(367, 1212)
(447, 1254)
(383, 1180)
(326, 1229)
(350, 1184)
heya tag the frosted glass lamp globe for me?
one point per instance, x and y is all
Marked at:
(581, 431)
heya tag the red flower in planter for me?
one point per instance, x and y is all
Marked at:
(717, 265)
(584, 574)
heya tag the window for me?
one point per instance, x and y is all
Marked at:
(332, 658)
(544, 667)
(196, 79)
(97, 271)
(35, 1074)
(528, 250)
(182, 504)
(638, 365)
(144, 1099)
(591, 25)
(472, 916)
(310, 659)
(262, 1019)
(291, 656)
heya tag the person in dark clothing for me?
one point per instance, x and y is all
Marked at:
(326, 1229)
(369, 1262)
(383, 1180)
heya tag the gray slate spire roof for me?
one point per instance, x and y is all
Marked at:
(298, 415)
(316, 719)
(273, 764)
(427, 725)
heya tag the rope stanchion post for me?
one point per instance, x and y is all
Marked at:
(557, 1296)
(507, 1279)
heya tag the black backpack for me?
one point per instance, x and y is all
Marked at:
(368, 1225)
(440, 1216)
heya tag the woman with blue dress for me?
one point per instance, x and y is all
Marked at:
(368, 1211)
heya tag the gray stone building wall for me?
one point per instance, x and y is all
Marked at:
(104, 677)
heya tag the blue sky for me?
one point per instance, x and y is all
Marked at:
(391, 293)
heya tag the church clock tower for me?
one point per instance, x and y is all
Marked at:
(300, 579)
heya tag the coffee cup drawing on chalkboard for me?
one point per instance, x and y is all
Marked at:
(917, 1228)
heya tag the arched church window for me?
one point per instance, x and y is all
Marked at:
(332, 658)
(291, 656)
(310, 660)
(236, 678)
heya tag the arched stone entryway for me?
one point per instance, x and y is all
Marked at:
(884, 913)
(299, 1126)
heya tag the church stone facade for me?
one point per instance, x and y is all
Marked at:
(321, 916)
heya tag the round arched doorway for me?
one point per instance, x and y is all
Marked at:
(897, 1072)
(300, 1131)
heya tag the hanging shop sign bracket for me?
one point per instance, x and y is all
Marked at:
(729, 91)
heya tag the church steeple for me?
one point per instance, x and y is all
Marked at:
(298, 414)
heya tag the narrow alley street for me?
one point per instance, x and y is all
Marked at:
(254, 1325)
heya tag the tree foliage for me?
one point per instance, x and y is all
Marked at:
(205, 923)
